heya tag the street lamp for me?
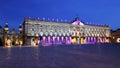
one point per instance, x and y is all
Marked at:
(20, 28)
(20, 35)
(6, 27)
(5, 33)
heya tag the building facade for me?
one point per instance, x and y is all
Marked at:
(115, 36)
(11, 37)
(37, 31)
(1, 36)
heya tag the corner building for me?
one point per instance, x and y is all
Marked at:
(38, 32)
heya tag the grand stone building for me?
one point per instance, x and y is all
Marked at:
(38, 31)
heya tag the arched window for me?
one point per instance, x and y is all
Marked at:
(32, 32)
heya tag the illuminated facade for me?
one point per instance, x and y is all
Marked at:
(115, 36)
(53, 32)
(11, 37)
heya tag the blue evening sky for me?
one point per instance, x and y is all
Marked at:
(91, 11)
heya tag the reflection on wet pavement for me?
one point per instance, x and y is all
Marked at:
(61, 56)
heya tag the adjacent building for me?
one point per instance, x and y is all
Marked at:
(38, 31)
(1, 36)
(12, 37)
(115, 36)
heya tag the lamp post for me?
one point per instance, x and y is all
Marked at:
(20, 28)
(5, 33)
(20, 35)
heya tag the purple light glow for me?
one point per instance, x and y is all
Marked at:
(91, 39)
(58, 39)
(44, 39)
(105, 39)
(70, 40)
(67, 40)
(62, 38)
(100, 40)
(88, 39)
(53, 39)
(49, 39)
(94, 39)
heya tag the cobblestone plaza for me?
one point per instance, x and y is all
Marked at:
(61, 56)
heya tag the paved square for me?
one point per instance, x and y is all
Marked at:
(61, 56)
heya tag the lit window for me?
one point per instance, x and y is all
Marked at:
(32, 25)
(118, 40)
(32, 29)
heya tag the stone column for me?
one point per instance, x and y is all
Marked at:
(70, 40)
(58, 40)
(105, 39)
(88, 40)
(53, 40)
(94, 39)
(66, 40)
(48, 39)
(78, 41)
(62, 39)
(44, 39)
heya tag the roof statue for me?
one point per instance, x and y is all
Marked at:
(77, 22)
